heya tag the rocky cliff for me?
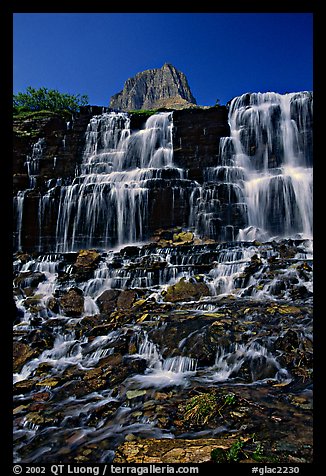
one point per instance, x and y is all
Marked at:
(154, 88)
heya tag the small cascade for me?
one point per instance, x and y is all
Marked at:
(251, 362)
(163, 372)
(33, 161)
(226, 275)
(18, 209)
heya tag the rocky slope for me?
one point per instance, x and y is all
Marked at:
(163, 374)
(154, 88)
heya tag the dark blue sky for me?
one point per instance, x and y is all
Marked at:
(222, 54)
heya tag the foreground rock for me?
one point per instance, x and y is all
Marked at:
(186, 291)
(170, 451)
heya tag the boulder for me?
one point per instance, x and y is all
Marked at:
(85, 264)
(126, 299)
(107, 301)
(186, 291)
(72, 302)
(22, 353)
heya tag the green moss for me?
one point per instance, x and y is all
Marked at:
(143, 112)
(32, 134)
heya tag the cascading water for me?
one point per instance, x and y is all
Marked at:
(108, 202)
(263, 185)
(279, 184)
(270, 142)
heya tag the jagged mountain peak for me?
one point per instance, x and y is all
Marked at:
(154, 88)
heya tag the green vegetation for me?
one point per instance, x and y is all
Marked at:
(45, 100)
(230, 399)
(143, 112)
(201, 408)
(243, 448)
(233, 455)
(258, 454)
(205, 406)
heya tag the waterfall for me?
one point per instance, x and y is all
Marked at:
(262, 186)
(107, 203)
(126, 184)
(33, 162)
(270, 139)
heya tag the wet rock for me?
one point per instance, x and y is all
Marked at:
(35, 418)
(72, 302)
(24, 386)
(254, 265)
(92, 374)
(34, 304)
(135, 365)
(29, 279)
(165, 235)
(185, 237)
(22, 353)
(287, 251)
(107, 301)
(130, 251)
(186, 291)
(99, 330)
(41, 339)
(289, 341)
(85, 264)
(126, 299)
(169, 451)
(22, 257)
(87, 260)
(300, 292)
(41, 396)
(48, 382)
(131, 394)
(53, 305)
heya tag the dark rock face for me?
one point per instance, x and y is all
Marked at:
(196, 135)
(72, 302)
(61, 144)
(151, 88)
